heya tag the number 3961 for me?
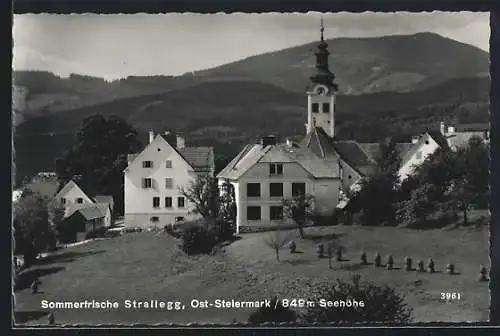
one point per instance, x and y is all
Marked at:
(450, 296)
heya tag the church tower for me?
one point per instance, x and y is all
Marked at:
(321, 92)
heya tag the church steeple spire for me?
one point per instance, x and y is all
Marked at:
(323, 75)
(322, 28)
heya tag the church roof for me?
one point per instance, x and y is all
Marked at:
(354, 153)
(326, 148)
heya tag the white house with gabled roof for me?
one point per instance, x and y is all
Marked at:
(77, 196)
(154, 177)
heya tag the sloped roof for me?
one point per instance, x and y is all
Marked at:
(87, 188)
(435, 135)
(226, 171)
(200, 158)
(352, 153)
(319, 143)
(106, 199)
(88, 211)
(252, 154)
(244, 161)
(439, 138)
(131, 157)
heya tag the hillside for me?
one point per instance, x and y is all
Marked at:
(234, 112)
(362, 65)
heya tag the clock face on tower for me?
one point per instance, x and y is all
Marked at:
(321, 90)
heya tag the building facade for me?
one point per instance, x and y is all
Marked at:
(154, 178)
(265, 174)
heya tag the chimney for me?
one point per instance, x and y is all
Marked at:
(151, 136)
(451, 129)
(180, 141)
(268, 140)
(414, 139)
(442, 128)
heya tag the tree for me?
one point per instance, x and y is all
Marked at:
(462, 192)
(389, 160)
(227, 211)
(99, 154)
(376, 210)
(31, 224)
(367, 200)
(415, 211)
(438, 169)
(227, 202)
(203, 193)
(474, 161)
(276, 240)
(56, 217)
(299, 209)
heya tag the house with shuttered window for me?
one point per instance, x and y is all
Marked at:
(154, 177)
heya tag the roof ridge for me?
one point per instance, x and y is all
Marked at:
(320, 144)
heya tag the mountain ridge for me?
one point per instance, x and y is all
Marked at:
(362, 65)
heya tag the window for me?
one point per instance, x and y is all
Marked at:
(253, 189)
(155, 219)
(168, 164)
(253, 212)
(315, 107)
(426, 142)
(180, 202)
(276, 169)
(276, 189)
(179, 219)
(276, 212)
(63, 200)
(349, 177)
(147, 164)
(326, 107)
(419, 155)
(298, 188)
(169, 183)
(156, 202)
(168, 202)
(79, 200)
(147, 183)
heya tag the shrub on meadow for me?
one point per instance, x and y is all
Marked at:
(197, 239)
(368, 303)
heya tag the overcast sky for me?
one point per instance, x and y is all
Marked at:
(114, 46)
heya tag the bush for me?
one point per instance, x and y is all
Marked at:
(270, 314)
(222, 229)
(197, 239)
(379, 304)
